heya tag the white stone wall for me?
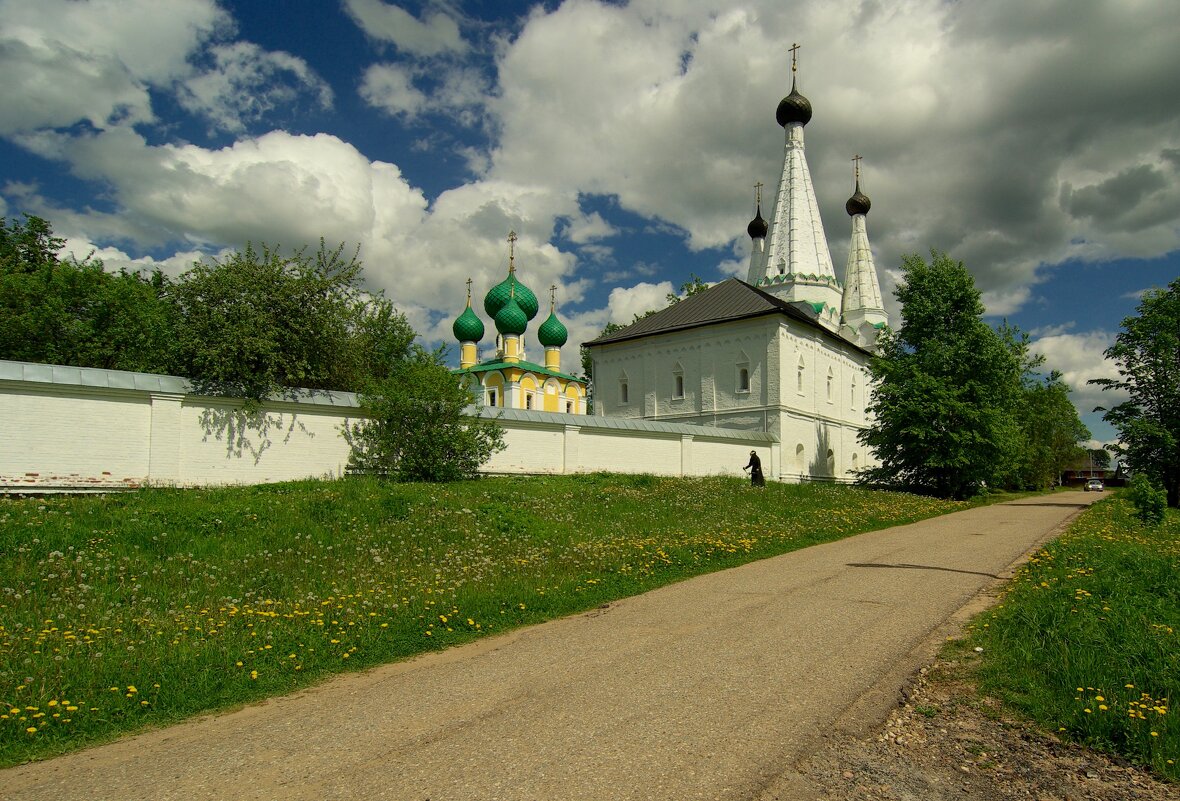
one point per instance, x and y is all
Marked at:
(71, 428)
(804, 408)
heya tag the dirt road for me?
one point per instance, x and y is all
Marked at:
(713, 688)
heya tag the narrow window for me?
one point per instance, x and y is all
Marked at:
(800, 457)
(528, 400)
(852, 394)
(799, 377)
(623, 392)
(569, 407)
(678, 392)
(744, 379)
(492, 397)
(830, 381)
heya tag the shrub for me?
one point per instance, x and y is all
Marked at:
(1150, 500)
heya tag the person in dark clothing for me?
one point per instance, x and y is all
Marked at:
(755, 468)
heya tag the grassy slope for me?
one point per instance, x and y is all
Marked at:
(131, 610)
(1087, 639)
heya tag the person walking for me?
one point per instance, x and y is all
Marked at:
(755, 468)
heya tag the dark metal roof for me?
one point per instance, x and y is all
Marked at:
(721, 303)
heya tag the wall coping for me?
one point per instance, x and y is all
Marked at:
(96, 378)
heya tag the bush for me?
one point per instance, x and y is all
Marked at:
(1150, 500)
(416, 429)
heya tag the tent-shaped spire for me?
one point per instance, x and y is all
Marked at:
(861, 310)
(797, 265)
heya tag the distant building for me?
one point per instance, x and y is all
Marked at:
(506, 379)
(785, 351)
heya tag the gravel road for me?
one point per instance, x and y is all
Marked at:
(713, 688)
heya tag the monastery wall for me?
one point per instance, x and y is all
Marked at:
(78, 428)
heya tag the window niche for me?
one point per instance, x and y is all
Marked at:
(678, 382)
(743, 374)
(624, 392)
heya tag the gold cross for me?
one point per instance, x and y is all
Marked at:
(856, 163)
(468, 291)
(758, 193)
(552, 290)
(794, 48)
(511, 251)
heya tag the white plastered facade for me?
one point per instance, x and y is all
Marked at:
(803, 385)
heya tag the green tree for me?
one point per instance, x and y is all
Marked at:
(259, 322)
(416, 429)
(946, 388)
(1147, 354)
(1052, 431)
(66, 311)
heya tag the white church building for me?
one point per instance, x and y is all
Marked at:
(783, 352)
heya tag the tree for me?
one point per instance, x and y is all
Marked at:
(259, 322)
(416, 429)
(946, 388)
(1098, 457)
(1052, 431)
(1147, 355)
(66, 311)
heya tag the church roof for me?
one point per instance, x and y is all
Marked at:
(721, 303)
(528, 367)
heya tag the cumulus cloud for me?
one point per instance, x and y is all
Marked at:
(1079, 358)
(436, 33)
(627, 302)
(245, 84)
(407, 91)
(95, 60)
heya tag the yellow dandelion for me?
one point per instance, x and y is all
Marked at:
(31, 730)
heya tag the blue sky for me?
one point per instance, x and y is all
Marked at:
(1037, 142)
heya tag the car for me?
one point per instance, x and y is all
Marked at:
(1094, 485)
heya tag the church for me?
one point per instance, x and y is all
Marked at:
(784, 351)
(506, 379)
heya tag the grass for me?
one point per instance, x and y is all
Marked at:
(125, 611)
(1087, 639)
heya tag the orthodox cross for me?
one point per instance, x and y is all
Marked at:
(511, 251)
(794, 48)
(758, 194)
(856, 167)
(552, 302)
(468, 291)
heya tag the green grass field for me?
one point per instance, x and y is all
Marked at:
(1087, 639)
(124, 611)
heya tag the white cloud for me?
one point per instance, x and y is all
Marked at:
(94, 60)
(1079, 358)
(586, 228)
(626, 302)
(247, 83)
(460, 92)
(436, 33)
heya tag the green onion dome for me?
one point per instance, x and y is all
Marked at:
(498, 296)
(512, 319)
(552, 334)
(468, 327)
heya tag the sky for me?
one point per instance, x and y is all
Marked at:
(1037, 141)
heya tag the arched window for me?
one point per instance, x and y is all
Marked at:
(831, 382)
(677, 381)
(831, 462)
(624, 396)
(800, 458)
(493, 398)
(799, 376)
(852, 393)
(743, 372)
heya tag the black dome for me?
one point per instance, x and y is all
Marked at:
(793, 108)
(758, 227)
(859, 203)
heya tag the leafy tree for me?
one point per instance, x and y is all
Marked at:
(946, 388)
(416, 430)
(1052, 431)
(66, 311)
(259, 322)
(1098, 457)
(1147, 353)
(692, 286)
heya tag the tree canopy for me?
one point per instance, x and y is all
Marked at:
(957, 405)
(1147, 354)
